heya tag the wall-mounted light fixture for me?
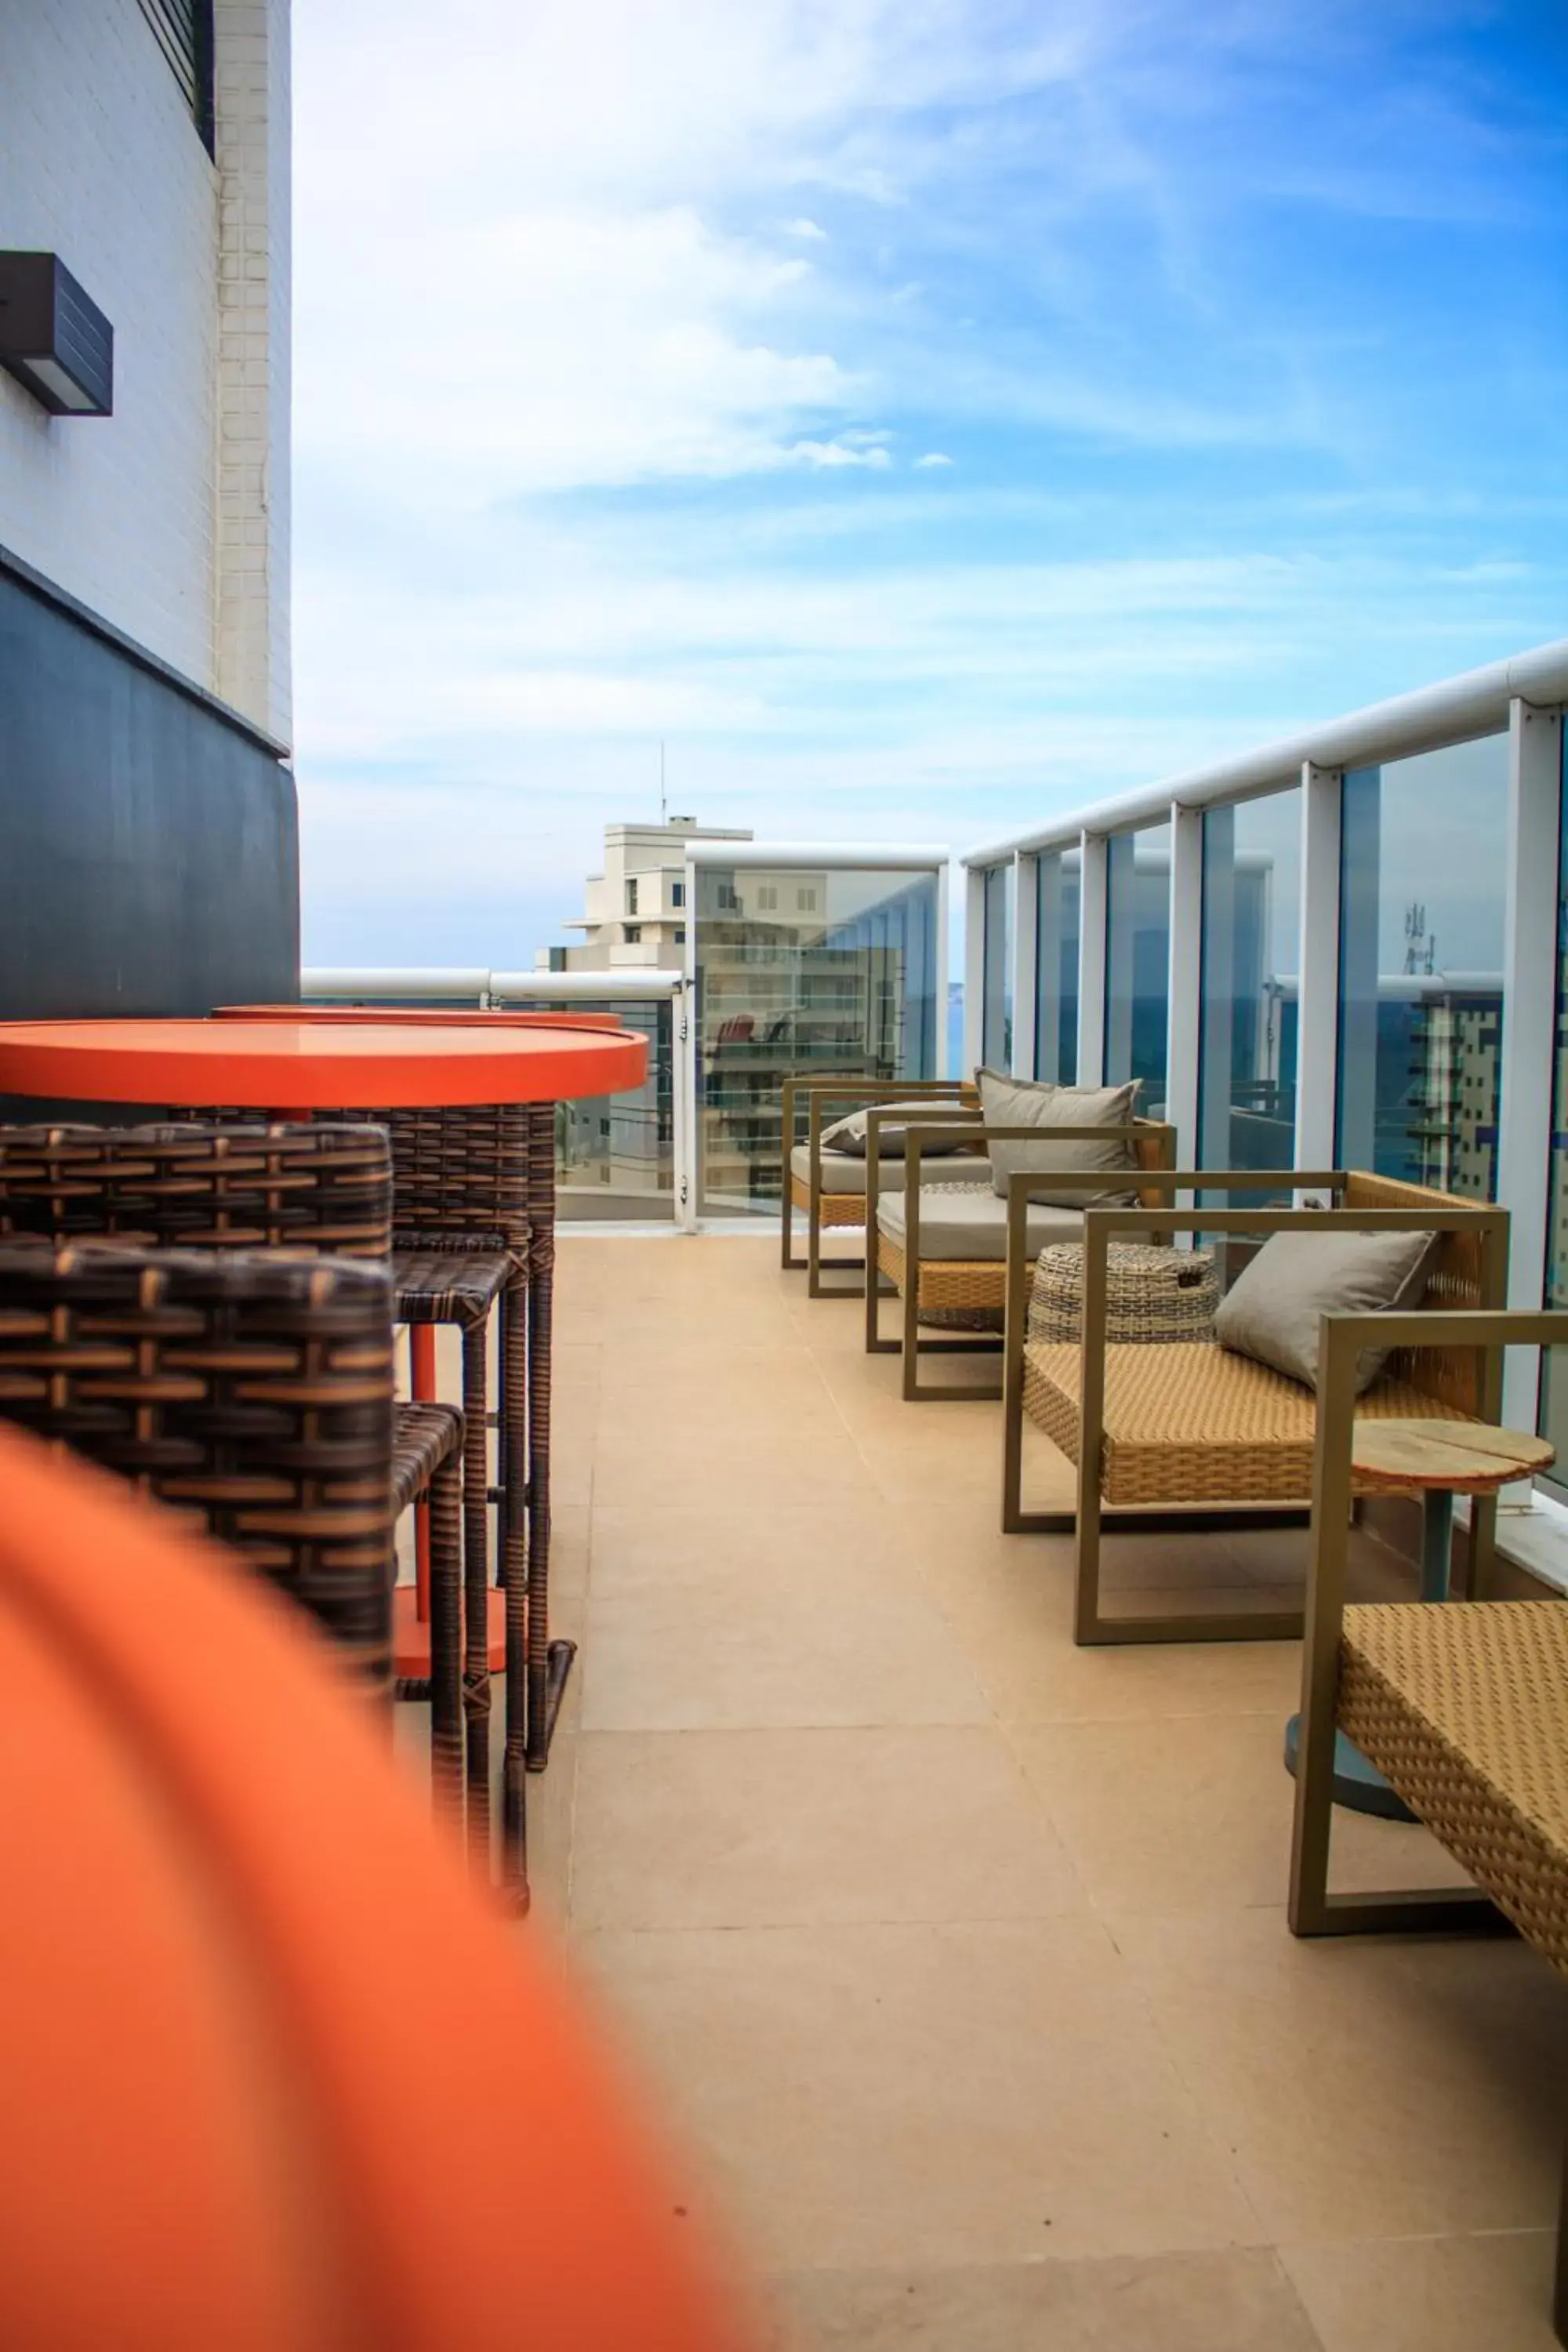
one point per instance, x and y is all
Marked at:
(53, 339)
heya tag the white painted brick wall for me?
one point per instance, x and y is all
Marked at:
(101, 164)
(251, 615)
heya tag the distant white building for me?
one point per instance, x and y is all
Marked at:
(635, 912)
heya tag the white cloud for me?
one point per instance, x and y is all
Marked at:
(932, 457)
(804, 229)
(842, 452)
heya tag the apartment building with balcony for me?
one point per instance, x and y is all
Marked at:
(636, 912)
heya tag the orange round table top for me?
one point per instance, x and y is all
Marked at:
(294, 1066)
(418, 1014)
(275, 2077)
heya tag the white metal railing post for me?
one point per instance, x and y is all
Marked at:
(684, 1046)
(941, 959)
(1093, 907)
(974, 970)
(1318, 998)
(1025, 952)
(681, 1172)
(1184, 981)
(1528, 1045)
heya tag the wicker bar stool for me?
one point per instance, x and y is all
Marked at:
(254, 1394)
(290, 1189)
(548, 1663)
(459, 1178)
(461, 1250)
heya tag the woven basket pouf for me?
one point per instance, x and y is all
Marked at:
(1150, 1294)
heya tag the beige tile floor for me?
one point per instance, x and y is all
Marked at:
(956, 1956)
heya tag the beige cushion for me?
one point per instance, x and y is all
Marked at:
(1272, 1308)
(849, 1135)
(1023, 1102)
(843, 1173)
(964, 1225)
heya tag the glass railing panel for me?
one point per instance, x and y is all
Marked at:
(614, 1154)
(1249, 990)
(1138, 961)
(834, 972)
(1056, 924)
(1422, 891)
(996, 1005)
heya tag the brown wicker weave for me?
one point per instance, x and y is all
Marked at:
(1464, 1708)
(832, 1208)
(1198, 1424)
(238, 1184)
(256, 1394)
(253, 1186)
(460, 1190)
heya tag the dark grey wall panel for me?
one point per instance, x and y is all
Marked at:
(149, 842)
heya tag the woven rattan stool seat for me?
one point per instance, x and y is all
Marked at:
(192, 1186)
(1198, 1424)
(422, 1437)
(1464, 1708)
(1151, 1295)
(447, 1286)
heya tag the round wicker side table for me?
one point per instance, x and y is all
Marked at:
(1151, 1293)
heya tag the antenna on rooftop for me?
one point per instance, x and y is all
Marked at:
(663, 799)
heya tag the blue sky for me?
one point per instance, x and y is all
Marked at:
(923, 416)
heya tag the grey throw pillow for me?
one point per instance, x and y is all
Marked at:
(1020, 1102)
(849, 1135)
(1271, 1310)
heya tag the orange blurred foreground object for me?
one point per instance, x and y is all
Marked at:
(302, 1065)
(272, 2078)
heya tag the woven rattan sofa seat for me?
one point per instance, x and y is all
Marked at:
(447, 1286)
(1465, 1709)
(966, 1223)
(423, 1435)
(1198, 1423)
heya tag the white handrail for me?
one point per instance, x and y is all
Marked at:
(459, 984)
(1455, 710)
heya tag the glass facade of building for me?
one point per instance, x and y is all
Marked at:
(1138, 961)
(996, 1013)
(1057, 916)
(811, 972)
(1423, 890)
(1250, 983)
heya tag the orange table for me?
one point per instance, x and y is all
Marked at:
(289, 1068)
(285, 1062)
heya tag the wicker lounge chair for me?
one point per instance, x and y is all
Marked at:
(1156, 1431)
(1462, 1705)
(829, 1187)
(958, 1240)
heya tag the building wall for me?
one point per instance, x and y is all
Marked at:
(654, 856)
(253, 107)
(169, 519)
(149, 858)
